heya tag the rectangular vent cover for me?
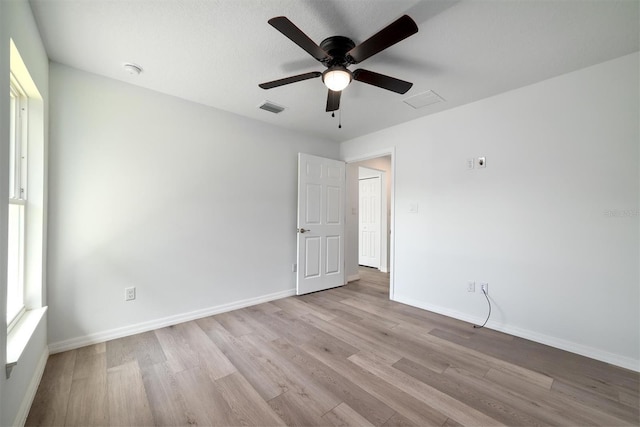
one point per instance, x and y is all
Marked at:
(271, 107)
(424, 99)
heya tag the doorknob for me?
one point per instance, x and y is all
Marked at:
(302, 230)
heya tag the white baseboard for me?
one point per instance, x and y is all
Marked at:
(353, 278)
(30, 394)
(583, 350)
(111, 334)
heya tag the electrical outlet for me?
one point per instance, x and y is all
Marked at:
(294, 268)
(129, 294)
(484, 287)
(471, 286)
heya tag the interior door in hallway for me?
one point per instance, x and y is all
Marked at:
(369, 222)
(321, 232)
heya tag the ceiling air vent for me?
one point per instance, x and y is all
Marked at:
(271, 107)
(424, 99)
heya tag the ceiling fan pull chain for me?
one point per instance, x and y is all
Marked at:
(339, 119)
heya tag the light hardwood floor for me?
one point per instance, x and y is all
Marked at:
(347, 356)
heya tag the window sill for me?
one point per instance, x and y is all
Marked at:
(20, 334)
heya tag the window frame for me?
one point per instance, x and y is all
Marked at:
(18, 151)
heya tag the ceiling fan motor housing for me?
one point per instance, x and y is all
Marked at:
(337, 47)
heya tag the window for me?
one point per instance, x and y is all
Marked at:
(17, 200)
(26, 208)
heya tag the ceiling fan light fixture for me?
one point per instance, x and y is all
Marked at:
(336, 78)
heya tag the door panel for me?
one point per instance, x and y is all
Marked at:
(334, 205)
(314, 203)
(321, 193)
(333, 254)
(312, 257)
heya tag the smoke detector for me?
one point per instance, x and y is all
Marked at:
(132, 69)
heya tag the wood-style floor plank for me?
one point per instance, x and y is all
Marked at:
(88, 398)
(246, 404)
(259, 328)
(398, 420)
(298, 381)
(235, 323)
(630, 399)
(143, 347)
(374, 410)
(128, 403)
(589, 400)
(469, 359)
(478, 399)
(266, 382)
(394, 397)
(355, 340)
(186, 346)
(295, 410)
(166, 400)
(431, 396)
(344, 415)
(205, 404)
(297, 307)
(49, 407)
(393, 341)
(548, 406)
(343, 357)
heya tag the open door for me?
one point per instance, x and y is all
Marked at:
(321, 233)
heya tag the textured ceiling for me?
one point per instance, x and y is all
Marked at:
(215, 52)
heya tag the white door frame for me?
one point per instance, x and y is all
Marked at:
(391, 151)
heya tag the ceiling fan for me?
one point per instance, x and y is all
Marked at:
(338, 52)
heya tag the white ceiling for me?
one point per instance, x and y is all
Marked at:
(215, 52)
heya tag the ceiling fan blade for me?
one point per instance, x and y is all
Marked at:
(380, 80)
(288, 80)
(333, 100)
(397, 31)
(295, 34)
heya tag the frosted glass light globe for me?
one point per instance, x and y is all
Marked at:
(336, 79)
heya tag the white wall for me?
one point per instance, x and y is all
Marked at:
(193, 206)
(17, 23)
(552, 222)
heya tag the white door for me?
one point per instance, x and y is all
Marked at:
(321, 198)
(369, 222)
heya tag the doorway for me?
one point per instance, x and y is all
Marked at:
(380, 165)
